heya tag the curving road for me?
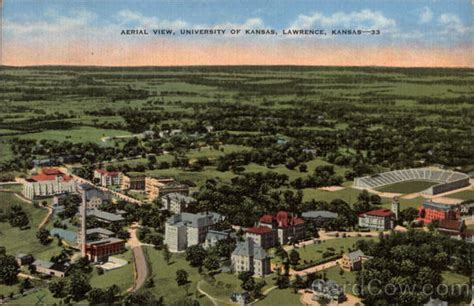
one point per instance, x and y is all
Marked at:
(140, 262)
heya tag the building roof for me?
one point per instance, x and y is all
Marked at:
(195, 220)
(218, 235)
(319, 214)
(105, 241)
(259, 230)
(178, 197)
(92, 192)
(43, 263)
(107, 173)
(355, 255)
(49, 174)
(249, 248)
(283, 219)
(438, 206)
(382, 212)
(99, 230)
(104, 215)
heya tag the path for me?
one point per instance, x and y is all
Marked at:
(213, 300)
(317, 268)
(48, 215)
(140, 262)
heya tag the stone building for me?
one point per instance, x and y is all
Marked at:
(249, 256)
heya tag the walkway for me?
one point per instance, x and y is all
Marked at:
(140, 262)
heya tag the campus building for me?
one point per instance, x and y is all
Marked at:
(94, 197)
(213, 236)
(431, 211)
(329, 290)
(107, 178)
(264, 236)
(287, 227)
(133, 182)
(319, 218)
(100, 250)
(48, 182)
(379, 219)
(249, 256)
(158, 187)
(352, 261)
(58, 269)
(177, 202)
(186, 229)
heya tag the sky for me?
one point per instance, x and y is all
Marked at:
(413, 33)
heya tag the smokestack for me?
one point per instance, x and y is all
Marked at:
(83, 221)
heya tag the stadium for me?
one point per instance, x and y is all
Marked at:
(442, 180)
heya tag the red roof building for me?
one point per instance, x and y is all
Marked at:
(107, 178)
(48, 182)
(262, 235)
(379, 219)
(286, 225)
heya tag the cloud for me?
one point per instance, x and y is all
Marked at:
(132, 18)
(426, 15)
(53, 25)
(361, 19)
(453, 24)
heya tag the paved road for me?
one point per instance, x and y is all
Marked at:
(140, 262)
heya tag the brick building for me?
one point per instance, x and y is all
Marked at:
(288, 228)
(100, 250)
(431, 211)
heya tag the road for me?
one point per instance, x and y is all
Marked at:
(140, 262)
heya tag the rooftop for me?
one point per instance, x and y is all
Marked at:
(108, 173)
(319, 214)
(283, 219)
(382, 212)
(249, 248)
(104, 215)
(259, 230)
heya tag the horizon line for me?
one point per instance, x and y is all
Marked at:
(230, 65)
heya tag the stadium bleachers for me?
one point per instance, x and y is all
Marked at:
(448, 180)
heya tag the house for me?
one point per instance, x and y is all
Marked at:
(327, 290)
(240, 298)
(353, 261)
(213, 236)
(94, 197)
(104, 216)
(58, 269)
(107, 178)
(431, 211)
(176, 202)
(264, 236)
(133, 182)
(158, 187)
(249, 256)
(186, 229)
(288, 228)
(24, 259)
(100, 250)
(456, 229)
(319, 218)
(48, 182)
(379, 219)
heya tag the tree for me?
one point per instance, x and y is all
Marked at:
(181, 277)
(303, 168)
(43, 236)
(166, 254)
(56, 287)
(211, 263)
(26, 284)
(195, 255)
(145, 298)
(248, 284)
(77, 286)
(96, 296)
(9, 270)
(294, 257)
(282, 281)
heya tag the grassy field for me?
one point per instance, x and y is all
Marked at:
(77, 135)
(346, 279)
(280, 297)
(452, 278)
(407, 187)
(463, 195)
(164, 277)
(315, 252)
(24, 241)
(122, 277)
(12, 187)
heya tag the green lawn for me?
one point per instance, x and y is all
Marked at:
(407, 187)
(452, 278)
(42, 295)
(76, 135)
(462, 195)
(315, 252)
(164, 277)
(346, 279)
(12, 187)
(278, 297)
(24, 241)
(122, 277)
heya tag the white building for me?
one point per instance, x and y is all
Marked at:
(108, 178)
(48, 182)
(186, 229)
(249, 256)
(177, 202)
